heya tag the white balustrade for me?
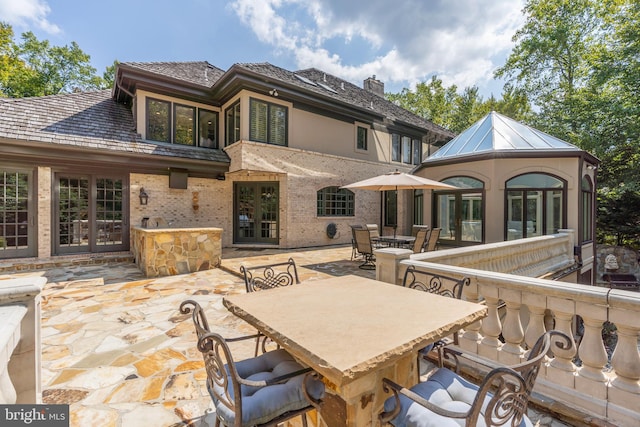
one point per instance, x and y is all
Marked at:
(580, 376)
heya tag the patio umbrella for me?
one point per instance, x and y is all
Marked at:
(399, 181)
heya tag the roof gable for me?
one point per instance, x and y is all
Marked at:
(498, 133)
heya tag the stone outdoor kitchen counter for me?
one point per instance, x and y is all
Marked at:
(176, 250)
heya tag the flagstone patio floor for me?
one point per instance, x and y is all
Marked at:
(117, 350)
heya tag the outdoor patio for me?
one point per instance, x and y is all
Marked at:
(116, 348)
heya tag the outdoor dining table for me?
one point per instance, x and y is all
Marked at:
(396, 241)
(354, 331)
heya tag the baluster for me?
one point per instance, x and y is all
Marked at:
(561, 367)
(491, 329)
(592, 351)
(471, 336)
(535, 328)
(626, 360)
(512, 330)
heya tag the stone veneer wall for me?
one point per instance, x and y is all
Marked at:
(170, 251)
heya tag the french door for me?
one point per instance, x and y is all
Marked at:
(459, 215)
(256, 207)
(90, 214)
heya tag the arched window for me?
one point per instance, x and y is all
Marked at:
(535, 205)
(587, 209)
(335, 201)
(460, 213)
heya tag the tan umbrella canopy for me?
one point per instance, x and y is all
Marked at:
(399, 181)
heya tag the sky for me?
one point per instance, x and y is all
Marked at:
(401, 42)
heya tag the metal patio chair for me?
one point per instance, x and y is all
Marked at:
(439, 284)
(447, 399)
(261, 391)
(432, 240)
(265, 277)
(420, 242)
(365, 247)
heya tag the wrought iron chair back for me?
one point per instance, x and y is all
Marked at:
(224, 382)
(421, 240)
(434, 283)
(501, 399)
(432, 240)
(270, 276)
(365, 247)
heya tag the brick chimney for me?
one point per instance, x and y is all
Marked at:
(373, 85)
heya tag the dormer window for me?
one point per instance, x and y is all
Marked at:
(184, 124)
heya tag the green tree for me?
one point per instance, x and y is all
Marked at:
(446, 107)
(35, 68)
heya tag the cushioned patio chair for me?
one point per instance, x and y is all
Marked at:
(446, 399)
(415, 228)
(365, 247)
(439, 284)
(260, 391)
(270, 276)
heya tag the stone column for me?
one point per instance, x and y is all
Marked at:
(388, 268)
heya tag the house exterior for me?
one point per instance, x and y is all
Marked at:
(256, 150)
(515, 182)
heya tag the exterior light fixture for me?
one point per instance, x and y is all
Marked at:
(144, 197)
(273, 92)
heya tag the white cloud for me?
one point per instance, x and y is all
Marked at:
(27, 13)
(406, 41)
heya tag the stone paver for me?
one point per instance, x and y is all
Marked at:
(117, 349)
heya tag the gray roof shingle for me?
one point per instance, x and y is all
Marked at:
(85, 120)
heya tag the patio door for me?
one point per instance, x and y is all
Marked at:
(90, 214)
(256, 207)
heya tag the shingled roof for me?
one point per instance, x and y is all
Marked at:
(200, 73)
(312, 81)
(329, 86)
(87, 120)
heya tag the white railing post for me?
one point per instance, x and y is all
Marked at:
(512, 330)
(24, 363)
(491, 327)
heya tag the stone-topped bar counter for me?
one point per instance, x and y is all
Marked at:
(176, 250)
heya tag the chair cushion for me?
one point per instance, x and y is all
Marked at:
(445, 389)
(262, 404)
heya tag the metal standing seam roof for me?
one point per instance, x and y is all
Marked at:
(496, 132)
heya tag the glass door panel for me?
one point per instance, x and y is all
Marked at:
(471, 217)
(73, 214)
(446, 216)
(109, 211)
(16, 233)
